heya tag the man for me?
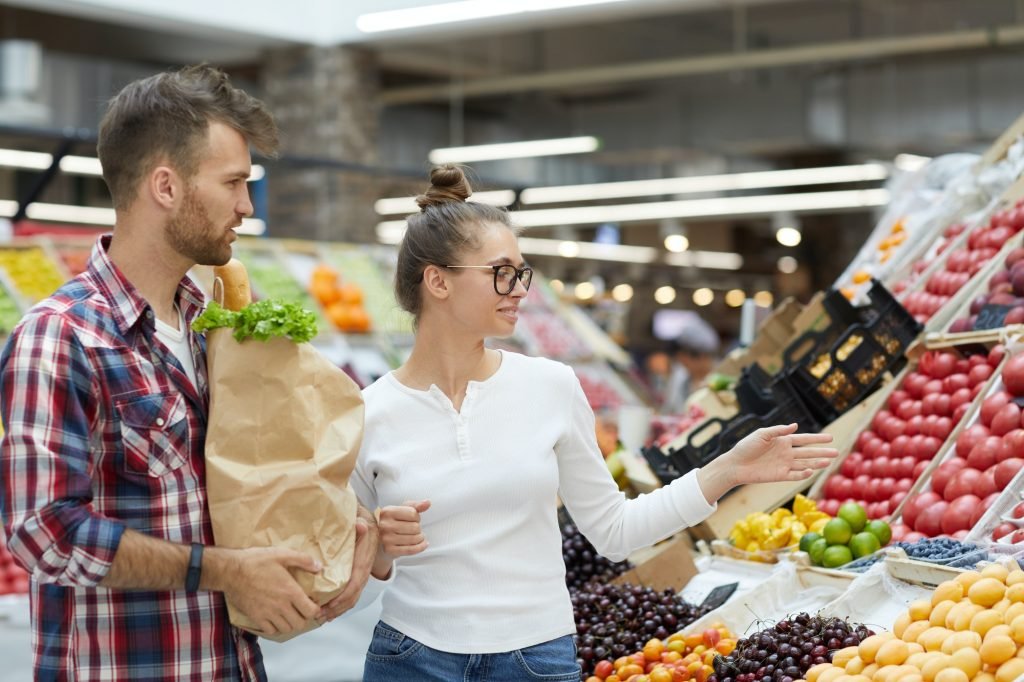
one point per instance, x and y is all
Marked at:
(694, 352)
(104, 399)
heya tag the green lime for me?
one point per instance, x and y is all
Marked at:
(807, 539)
(837, 532)
(853, 514)
(864, 543)
(817, 551)
(881, 530)
(836, 556)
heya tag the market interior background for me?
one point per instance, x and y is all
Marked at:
(710, 98)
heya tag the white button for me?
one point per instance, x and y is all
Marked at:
(159, 421)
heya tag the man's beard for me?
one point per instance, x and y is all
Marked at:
(192, 234)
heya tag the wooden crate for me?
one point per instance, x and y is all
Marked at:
(666, 566)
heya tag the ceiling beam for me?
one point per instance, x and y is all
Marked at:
(835, 52)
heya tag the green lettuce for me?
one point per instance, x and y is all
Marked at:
(262, 320)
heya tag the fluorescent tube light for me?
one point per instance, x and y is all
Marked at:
(708, 260)
(391, 232)
(75, 165)
(454, 12)
(407, 205)
(61, 213)
(81, 165)
(910, 162)
(727, 206)
(706, 183)
(14, 158)
(515, 150)
(92, 215)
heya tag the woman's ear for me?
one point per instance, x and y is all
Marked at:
(435, 282)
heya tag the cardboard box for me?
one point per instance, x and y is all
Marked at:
(669, 565)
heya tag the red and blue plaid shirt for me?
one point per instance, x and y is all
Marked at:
(104, 431)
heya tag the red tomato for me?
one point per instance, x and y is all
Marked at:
(920, 467)
(961, 396)
(1006, 419)
(1018, 511)
(945, 471)
(970, 437)
(986, 484)
(996, 355)
(954, 382)
(896, 498)
(982, 456)
(897, 398)
(914, 385)
(991, 405)
(944, 365)
(963, 482)
(915, 425)
(979, 374)
(850, 465)
(929, 520)
(915, 504)
(958, 515)
(1013, 445)
(1002, 530)
(1013, 375)
(1006, 470)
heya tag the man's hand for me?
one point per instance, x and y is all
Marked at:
(367, 539)
(258, 583)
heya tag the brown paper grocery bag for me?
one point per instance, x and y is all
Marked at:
(284, 431)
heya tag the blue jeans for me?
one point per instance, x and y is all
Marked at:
(395, 656)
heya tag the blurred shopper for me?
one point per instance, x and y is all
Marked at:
(466, 450)
(694, 353)
(104, 399)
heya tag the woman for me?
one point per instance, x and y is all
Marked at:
(466, 449)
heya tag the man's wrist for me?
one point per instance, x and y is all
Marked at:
(216, 564)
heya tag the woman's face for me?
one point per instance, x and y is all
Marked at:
(475, 305)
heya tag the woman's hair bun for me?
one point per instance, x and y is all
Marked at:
(447, 183)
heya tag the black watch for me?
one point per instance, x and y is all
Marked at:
(195, 568)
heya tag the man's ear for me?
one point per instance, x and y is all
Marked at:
(435, 282)
(165, 187)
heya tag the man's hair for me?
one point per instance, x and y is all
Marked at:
(165, 118)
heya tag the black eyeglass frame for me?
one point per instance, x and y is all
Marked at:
(523, 275)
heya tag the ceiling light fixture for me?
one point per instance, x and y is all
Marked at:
(865, 172)
(787, 265)
(665, 295)
(734, 298)
(76, 165)
(454, 12)
(95, 215)
(764, 299)
(407, 205)
(788, 236)
(515, 150)
(703, 296)
(808, 202)
(391, 232)
(585, 291)
(622, 293)
(677, 243)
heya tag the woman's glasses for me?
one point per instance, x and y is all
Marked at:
(505, 276)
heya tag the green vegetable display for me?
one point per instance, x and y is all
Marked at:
(261, 321)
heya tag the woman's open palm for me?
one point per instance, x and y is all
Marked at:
(779, 453)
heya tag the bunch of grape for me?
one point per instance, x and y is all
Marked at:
(582, 562)
(785, 652)
(616, 620)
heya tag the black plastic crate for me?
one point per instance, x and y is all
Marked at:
(716, 436)
(836, 368)
(661, 464)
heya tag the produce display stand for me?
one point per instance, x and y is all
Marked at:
(948, 449)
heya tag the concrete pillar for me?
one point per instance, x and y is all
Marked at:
(324, 101)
